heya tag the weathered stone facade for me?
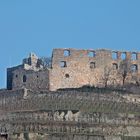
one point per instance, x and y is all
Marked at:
(30, 75)
(77, 68)
(73, 68)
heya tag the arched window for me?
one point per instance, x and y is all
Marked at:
(24, 78)
(114, 55)
(115, 66)
(92, 65)
(66, 53)
(134, 68)
(134, 56)
(123, 55)
(92, 54)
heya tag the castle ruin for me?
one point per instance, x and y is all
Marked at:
(78, 95)
(71, 68)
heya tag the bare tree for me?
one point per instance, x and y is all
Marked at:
(124, 69)
(136, 79)
(46, 62)
(106, 75)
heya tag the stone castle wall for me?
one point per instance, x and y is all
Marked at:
(30, 74)
(75, 68)
(30, 79)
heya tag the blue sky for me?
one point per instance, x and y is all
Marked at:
(41, 25)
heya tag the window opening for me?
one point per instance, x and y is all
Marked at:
(123, 56)
(63, 64)
(66, 53)
(67, 75)
(114, 55)
(134, 68)
(91, 54)
(92, 65)
(115, 66)
(134, 56)
(24, 78)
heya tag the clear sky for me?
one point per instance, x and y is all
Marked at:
(41, 25)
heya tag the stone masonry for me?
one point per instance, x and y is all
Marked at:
(73, 68)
